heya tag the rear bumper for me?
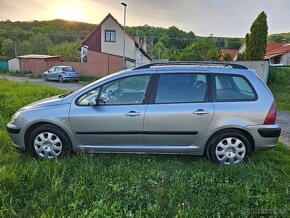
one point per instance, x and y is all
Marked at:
(74, 78)
(270, 132)
(265, 136)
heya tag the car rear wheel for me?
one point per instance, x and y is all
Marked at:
(60, 79)
(45, 78)
(229, 148)
(49, 142)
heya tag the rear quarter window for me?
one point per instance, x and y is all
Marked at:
(233, 88)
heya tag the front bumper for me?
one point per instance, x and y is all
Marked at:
(13, 129)
(17, 135)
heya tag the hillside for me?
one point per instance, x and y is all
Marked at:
(38, 36)
(279, 37)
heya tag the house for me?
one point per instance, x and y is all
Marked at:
(33, 63)
(241, 51)
(106, 41)
(224, 51)
(278, 54)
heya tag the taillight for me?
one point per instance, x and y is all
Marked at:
(63, 73)
(272, 115)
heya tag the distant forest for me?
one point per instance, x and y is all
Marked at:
(60, 37)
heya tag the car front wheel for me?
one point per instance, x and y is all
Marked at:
(229, 148)
(45, 78)
(49, 142)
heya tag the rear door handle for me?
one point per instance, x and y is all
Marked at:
(132, 114)
(200, 112)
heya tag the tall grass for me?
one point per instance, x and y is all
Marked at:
(127, 185)
(279, 83)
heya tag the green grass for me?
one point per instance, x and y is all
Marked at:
(279, 83)
(127, 185)
(88, 79)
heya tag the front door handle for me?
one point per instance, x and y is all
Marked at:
(200, 112)
(132, 114)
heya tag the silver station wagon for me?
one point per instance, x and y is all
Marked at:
(223, 111)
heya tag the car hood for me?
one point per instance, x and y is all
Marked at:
(55, 100)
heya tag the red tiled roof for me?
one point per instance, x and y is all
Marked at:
(273, 50)
(232, 52)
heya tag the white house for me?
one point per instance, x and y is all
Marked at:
(108, 38)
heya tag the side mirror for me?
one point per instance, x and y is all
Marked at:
(96, 102)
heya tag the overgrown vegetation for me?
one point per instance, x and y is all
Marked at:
(279, 84)
(123, 185)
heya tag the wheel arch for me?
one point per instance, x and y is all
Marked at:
(35, 125)
(243, 131)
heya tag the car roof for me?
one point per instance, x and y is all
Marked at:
(182, 67)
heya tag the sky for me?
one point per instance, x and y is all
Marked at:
(228, 18)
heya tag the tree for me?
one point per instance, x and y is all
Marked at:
(40, 43)
(7, 48)
(227, 57)
(246, 55)
(24, 48)
(257, 40)
(160, 51)
(201, 50)
(233, 43)
(67, 51)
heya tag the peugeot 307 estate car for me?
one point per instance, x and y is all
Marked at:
(221, 110)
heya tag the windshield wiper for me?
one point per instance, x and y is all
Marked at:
(64, 95)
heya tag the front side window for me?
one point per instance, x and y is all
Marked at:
(85, 99)
(181, 88)
(130, 90)
(233, 88)
(110, 35)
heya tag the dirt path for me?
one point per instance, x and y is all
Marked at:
(69, 86)
(284, 122)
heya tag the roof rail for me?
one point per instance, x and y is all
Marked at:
(197, 63)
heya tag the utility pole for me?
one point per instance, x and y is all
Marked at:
(124, 46)
(15, 49)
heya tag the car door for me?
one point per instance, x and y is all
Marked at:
(180, 110)
(56, 72)
(50, 73)
(119, 117)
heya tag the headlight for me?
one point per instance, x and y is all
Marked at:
(15, 116)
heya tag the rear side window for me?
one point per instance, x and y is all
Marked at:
(233, 88)
(181, 88)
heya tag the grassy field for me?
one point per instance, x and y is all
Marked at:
(279, 83)
(126, 185)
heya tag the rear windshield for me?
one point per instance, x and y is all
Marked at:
(68, 69)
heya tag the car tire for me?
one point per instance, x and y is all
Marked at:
(228, 148)
(45, 77)
(60, 79)
(49, 142)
